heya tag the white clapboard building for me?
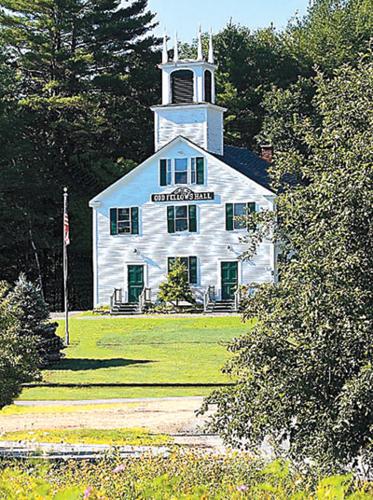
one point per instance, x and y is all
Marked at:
(182, 202)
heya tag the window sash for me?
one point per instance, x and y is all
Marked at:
(233, 210)
(124, 220)
(182, 218)
(181, 171)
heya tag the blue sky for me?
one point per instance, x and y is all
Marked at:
(186, 15)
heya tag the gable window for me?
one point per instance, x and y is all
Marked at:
(182, 171)
(234, 212)
(190, 264)
(124, 220)
(182, 218)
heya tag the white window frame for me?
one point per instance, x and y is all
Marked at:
(191, 166)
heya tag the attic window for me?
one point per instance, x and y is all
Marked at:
(182, 83)
(208, 86)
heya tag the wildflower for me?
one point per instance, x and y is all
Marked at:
(242, 487)
(87, 492)
(119, 468)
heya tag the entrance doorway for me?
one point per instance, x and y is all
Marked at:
(229, 279)
(135, 282)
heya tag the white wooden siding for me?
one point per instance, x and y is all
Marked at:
(152, 247)
(202, 124)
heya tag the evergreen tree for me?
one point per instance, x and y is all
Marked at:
(86, 79)
(18, 353)
(305, 371)
(176, 288)
(27, 306)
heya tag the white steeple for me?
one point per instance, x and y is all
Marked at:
(176, 49)
(211, 49)
(188, 100)
(200, 50)
(165, 51)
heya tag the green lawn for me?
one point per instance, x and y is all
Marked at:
(150, 350)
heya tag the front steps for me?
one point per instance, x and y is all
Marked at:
(125, 309)
(221, 306)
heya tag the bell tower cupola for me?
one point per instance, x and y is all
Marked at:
(188, 100)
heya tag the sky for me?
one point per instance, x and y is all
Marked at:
(184, 16)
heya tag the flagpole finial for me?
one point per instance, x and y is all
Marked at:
(200, 49)
(211, 49)
(65, 189)
(176, 49)
(165, 51)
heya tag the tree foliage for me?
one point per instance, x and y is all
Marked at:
(305, 371)
(84, 78)
(18, 353)
(176, 288)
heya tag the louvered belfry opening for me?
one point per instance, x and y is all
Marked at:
(208, 86)
(182, 86)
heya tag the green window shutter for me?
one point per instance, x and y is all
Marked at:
(171, 219)
(200, 170)
(251, 209)
(113, 221)
(193, 270)
(229, 216)
(163, 172)
(135, 220)
(192, 218)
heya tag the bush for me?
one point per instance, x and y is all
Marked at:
(176, 289)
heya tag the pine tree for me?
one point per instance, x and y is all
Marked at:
(18, 353)
(27, 306)
(176, 288)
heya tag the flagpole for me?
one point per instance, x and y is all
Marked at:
(65, 268)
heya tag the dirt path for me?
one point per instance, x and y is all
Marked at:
(169, 415)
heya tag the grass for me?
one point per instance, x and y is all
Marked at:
(150, 350)
(53, 409)
(115, 437)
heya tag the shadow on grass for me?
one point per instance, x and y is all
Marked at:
(78, 364)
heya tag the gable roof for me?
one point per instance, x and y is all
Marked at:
(247, 163)
(240, 159)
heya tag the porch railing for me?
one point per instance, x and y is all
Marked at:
(117, 297)
(208, 297)
(144, 299)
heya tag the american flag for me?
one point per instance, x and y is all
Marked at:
(66, 229)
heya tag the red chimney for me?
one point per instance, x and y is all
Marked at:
(266, 152)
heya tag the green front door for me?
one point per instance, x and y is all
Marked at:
(135, 282)
(229, 279)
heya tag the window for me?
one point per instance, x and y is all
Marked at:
(208, 86)
(181, 171)
(191, 265)
(182, 218)
(182, 83)
(233, 211)
(177, 171)
(124, 220)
